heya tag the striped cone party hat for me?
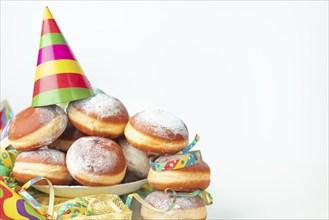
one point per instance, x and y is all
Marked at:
(59, 77)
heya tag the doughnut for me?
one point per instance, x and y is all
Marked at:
(96, 161)
(188, 178)
(48, 163)
(35, 127)
(99, 115)
(64, 142)
(185, 208)
(157, 131)
(137, 162)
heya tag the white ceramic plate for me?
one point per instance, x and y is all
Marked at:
(79, 191)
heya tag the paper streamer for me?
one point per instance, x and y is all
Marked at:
(13, 206)
(144, 203)
(5, 115)
(207, 198)
(7, 158)
(97, 90)
(4, 132)
(190, 146)
(190, 159)
(103, 206)
(29, 199)
(75, 207)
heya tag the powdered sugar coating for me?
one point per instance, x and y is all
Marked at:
(160, 200)
(101, 106)
(49, 156)
(137, 161)
(60, 127)
(161, 124)
(95, 155)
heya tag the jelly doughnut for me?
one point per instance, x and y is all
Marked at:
(98, 115)
(96, 161)
(48, 163)
(137, 161)
(35, 127)
(189, 178)
(157, 131)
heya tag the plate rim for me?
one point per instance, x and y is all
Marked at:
(83, 187)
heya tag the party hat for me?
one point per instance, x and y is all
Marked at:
(59, 77)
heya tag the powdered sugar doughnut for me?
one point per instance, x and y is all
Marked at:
(64, 142)
(48, 163)
(100, 115)
(96, 161)
(137, 161)
(157, 131)
(189, 178)
(185, 208)
(35, 127)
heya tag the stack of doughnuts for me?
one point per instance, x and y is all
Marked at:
(159, 132)
(94, 143)
(73, 146)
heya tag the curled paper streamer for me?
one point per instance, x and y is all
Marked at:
(103, 206)
(97, 90)
(12, 205)
(207, 198)
(145, 204)
(4, 132)
(29, 199)
(191, 158)
(145, 190)
(191, 145)
(75, 207)
(7, 158)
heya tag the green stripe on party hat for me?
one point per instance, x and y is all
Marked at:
(59, 77)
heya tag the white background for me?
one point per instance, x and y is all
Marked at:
(250, 77)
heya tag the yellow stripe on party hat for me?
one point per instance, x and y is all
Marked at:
(47, 14)
(59, 77)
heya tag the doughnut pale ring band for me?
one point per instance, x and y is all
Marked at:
(48, 163)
